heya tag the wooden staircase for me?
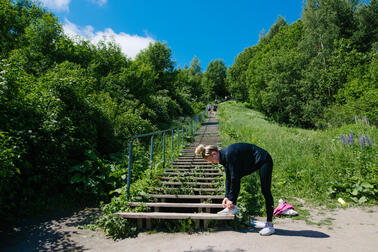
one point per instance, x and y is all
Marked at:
(190, 186)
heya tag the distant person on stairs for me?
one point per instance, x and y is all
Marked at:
(239, 160)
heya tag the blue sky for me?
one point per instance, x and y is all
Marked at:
(208, 29)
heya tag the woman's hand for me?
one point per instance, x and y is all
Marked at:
(229, 204)
(224, 202)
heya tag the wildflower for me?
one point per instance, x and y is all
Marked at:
(360, 139)
(342, 139)
(369, 141)
(347, 139)
(351, 138)
(157, 177)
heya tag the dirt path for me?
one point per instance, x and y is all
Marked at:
(351, 229)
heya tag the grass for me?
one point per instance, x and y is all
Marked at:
(308, 164)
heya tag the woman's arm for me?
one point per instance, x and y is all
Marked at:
(234, 186)
(227, 182)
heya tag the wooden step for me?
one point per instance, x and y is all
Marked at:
(184, 166)
(188, 183)
(176, 216)
(177, 205)
(213, 174)
(191, 162)
(192, 178)
(190, 189)
(192, 170)
(184, 196)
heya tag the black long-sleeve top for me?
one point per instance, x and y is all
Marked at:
(239, 160)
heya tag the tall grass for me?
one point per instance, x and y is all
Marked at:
(308, 164)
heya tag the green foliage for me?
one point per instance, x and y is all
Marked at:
(236, 75)
(96, 177)
(214, 80)
(274, 29)
(311, 165)
(68, 109)
(321, 66)
(145, 179)
(10, 152)
(10, 155)
(365, 36)
(14, 19)
(114, 225)
(356, 190)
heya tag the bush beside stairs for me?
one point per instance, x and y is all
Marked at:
(190, 187)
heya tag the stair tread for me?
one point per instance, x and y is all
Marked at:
(160, 215)
(191, 173)
(188, 183)
(192, 170)
(186, 205)
(185, 196)
(191, 178)
(194, 189)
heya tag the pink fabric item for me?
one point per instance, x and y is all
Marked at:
(282, 207)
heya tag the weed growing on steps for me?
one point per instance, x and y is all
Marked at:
(149, 182)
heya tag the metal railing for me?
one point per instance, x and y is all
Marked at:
(188, 128)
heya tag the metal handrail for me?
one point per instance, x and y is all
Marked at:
(196, 120)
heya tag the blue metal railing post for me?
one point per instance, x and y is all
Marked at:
(193, 125)
(178, 138)
(182, 136)
(152, 151)
(129, 170)
(164, 150)
(172, 145)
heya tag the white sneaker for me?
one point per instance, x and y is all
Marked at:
(289, 212)
(257, 224)
(267, 230)
(228, 211)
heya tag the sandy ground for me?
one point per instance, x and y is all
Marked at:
(350, 229)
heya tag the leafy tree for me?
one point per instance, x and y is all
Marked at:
(273, 29)
(195, 67)
(188, 81)
(158, 56)
(214, 80)
(15, 17)
(107, 58)
(324, 21)
(366, 34)
(236, 75)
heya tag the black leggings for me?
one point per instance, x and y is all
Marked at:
(266, 182)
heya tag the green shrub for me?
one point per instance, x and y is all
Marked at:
(68, 109)
(113, 225)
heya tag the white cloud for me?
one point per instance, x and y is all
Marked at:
(130, 45)
(63, 5)
(57, 5)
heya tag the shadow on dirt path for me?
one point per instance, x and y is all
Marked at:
(301, 233)
(284, 232)
(47, 234)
